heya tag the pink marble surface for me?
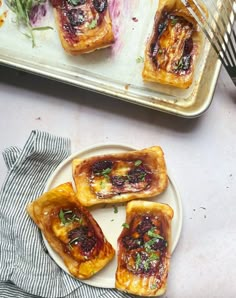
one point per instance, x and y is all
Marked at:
(201, 154)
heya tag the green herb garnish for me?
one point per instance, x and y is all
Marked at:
(142, 176)
(22, 10)
(138, 261)
(65, 220)
(153, 239)
(140, 59)
(138, 163)
(179, 65)
(154, 235)
(174, 21)
(62, 217)
(106, 172)
(153, 286)
(93, 24)
(148, 244)
(74, 240)
(125, 225)
(115, 209)
(74, 2)
(80, 220)
(147, 262)
(153, 257)
(103, 184)
(160, 51)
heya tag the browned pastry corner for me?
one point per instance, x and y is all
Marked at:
(144, 249)
(83, 25)
(121, 177)
(71, 231)
(173, 46)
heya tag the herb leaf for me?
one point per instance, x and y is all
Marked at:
(62, 217)
(22, 9)
(106, 171)
(73, 217)
(115, 209)
(93, 24)
(153, 257)
(74, 2)
(125, 225)
(174, 21)
(140, 59)
(138, 261)
(138, 163)
(154, 235)
(103, 184)
(42, 28)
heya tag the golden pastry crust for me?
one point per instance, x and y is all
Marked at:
(144, 249)
(173, 47)
(71, 231)
(121, 177)
(84, 26)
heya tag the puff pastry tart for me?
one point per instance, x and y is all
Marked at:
(144, 249)
(83, 25)
(120, 177)
(71, 231)
(173, 46)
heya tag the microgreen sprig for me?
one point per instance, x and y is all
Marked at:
(139, 59)
(22, 10)
(138, 162)
(93, 24)
(125, 225)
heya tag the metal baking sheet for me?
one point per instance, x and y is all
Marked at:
(113, 71)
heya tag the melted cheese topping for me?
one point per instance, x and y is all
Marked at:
(170, 52)
(78, 19)
(144, 246)
(123, 177)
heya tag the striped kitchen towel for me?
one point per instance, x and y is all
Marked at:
(26, 269)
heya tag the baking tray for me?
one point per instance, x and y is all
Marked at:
(113, 71)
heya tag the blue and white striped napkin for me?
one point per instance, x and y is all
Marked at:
(26, 269)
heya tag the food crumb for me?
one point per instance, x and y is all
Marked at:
(203, 208)
(38, 118)
(127, 86)
(134, 19)
(2, 18)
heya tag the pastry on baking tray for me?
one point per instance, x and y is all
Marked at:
(71, 231)
(173, 46)
(144, 249)
(83, 25)
(120, 177)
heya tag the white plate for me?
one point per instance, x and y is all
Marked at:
(109, 221)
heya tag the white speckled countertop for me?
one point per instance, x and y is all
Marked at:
(201, 154)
